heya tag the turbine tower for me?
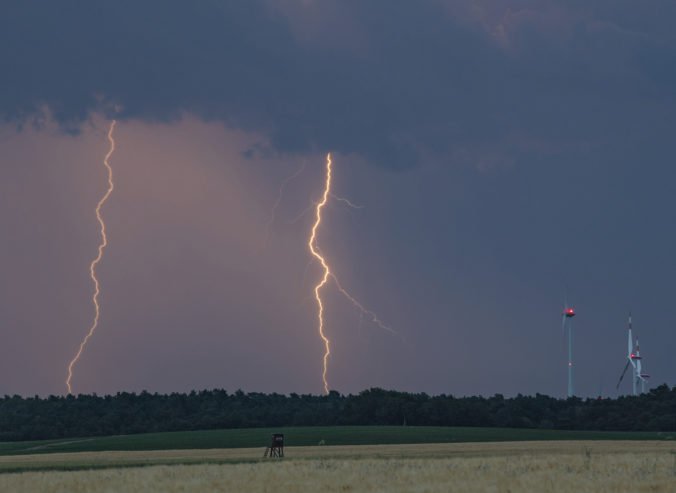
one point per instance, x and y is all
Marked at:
(640, 376)
(567, 323)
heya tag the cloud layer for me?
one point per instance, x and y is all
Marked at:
(481, 82)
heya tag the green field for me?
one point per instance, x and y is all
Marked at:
(307, 436)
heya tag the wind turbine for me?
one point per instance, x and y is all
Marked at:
(567, 322)
(633, 360)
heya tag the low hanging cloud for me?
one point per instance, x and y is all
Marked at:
(392, 81)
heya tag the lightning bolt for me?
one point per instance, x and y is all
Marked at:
(316, 252)
(325, 266)
(95, 262)
(273, 211)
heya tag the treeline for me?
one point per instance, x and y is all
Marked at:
(127, 413)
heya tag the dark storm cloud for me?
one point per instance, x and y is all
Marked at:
(390, 80)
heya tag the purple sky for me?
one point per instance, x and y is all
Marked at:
(500, 150)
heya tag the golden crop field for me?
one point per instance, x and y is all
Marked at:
(490, 467)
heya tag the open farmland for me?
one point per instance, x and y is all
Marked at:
(608, 466)
(309, 436)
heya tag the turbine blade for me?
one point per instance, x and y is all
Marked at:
(626, 367)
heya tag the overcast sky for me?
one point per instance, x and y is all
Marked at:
(502, 154)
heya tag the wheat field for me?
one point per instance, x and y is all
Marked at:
(506, 467)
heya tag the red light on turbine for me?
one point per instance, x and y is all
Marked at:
(569, 312)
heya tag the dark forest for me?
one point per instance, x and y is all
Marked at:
(127, 413)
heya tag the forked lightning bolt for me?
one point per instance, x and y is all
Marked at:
(312, 243)
(325, 267)
(95, 262)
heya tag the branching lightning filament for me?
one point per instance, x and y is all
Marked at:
(273, 211)
(95, 262)
(362, 309)
(347, 202)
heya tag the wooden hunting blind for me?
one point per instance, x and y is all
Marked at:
(276, 448)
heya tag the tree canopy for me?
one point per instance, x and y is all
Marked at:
(37, 418)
